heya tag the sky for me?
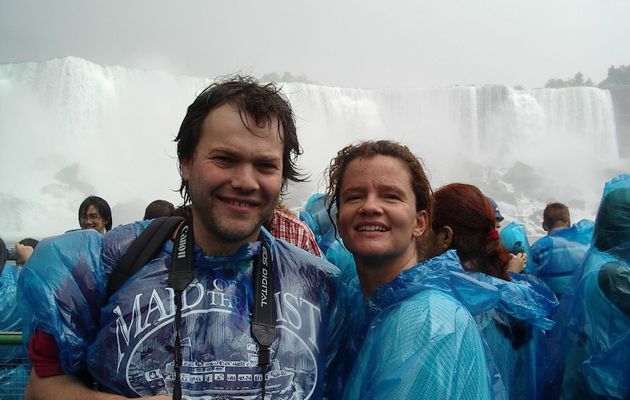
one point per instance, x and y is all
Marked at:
(351, 43)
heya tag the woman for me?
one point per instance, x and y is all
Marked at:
(464, 220)
(421, 342)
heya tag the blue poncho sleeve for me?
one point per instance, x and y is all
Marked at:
(13, 370)
(62, 290)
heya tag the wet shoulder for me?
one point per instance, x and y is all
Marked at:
(297, 260)
(429, 312)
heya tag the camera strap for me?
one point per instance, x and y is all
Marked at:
(180, 276)
(264, 325)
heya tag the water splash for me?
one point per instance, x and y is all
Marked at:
(70, 128)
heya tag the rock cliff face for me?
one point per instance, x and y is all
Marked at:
(621, 103)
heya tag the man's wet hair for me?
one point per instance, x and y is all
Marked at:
(29, 242)
(263, 102)
(554, 213)
(158, 208)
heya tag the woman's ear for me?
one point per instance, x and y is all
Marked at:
(337, 225)
(445, 237)
(422, 222)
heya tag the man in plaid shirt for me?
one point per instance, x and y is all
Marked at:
(283, 225)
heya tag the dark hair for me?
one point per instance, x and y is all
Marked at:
(29, 242)
(470, 215)
(158, 208)
(263, 102)
(419, 182)
(102, 207)
(554, 213)
(3, 254)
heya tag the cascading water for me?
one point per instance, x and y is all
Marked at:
(70, 128)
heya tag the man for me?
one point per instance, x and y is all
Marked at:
(237, 147)
(284, 225)
(95, 213)
(556, 256)
(158, 208)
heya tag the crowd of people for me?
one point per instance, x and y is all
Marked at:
(381, 288)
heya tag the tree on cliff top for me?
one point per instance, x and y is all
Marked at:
(577, 80)
(617, 76)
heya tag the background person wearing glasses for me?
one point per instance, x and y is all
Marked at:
(95, 213)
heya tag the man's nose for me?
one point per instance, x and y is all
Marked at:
(245, 178)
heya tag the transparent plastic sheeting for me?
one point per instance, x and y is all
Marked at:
(599, 329)
(315, 215)
(129, 350)
(514, 238)
(555, 257)
(420, 340)
(14, 366)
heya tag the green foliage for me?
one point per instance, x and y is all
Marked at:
(577, 80)
(617, 76)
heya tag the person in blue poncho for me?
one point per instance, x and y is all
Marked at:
(557, 260)
(419, 342)
(13, 369)
(224, 310)
(598, 363)
(556, 256)
(463, 220)
(318, 216)
(514, 238)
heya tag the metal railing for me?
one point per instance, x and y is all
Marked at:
(15, 366)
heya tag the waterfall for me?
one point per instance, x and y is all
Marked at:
(70, 128)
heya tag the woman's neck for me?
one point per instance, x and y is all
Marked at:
(374, 272)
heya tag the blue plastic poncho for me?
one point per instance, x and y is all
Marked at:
(598, 363)
(420, 339)
(514, 238)
(555, 257)
(124, 341)
(14, 368)
(315, 215)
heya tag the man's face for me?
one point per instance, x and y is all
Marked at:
(234, 179)
(92, 219)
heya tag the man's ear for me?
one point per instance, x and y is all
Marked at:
(545, 227)
(422, 222)
(185, 169)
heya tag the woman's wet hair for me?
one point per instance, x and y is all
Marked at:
(470, 215)
(419, 181)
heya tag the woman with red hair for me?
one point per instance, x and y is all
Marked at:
(464, 220)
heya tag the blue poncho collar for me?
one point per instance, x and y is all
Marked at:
(524, 299)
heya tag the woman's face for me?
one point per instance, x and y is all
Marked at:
(377, 216)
